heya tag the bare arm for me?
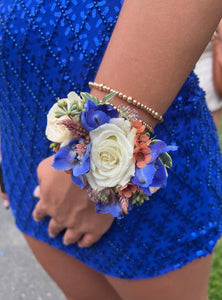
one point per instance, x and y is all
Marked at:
(154, 47)
(219, 28)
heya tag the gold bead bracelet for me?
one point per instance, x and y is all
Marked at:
(129, 100)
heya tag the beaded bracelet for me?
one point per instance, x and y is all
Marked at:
(130, 100)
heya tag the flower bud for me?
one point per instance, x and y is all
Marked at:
(59, 114)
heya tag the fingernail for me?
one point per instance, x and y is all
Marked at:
(35, 219)
(52, 236)
(37, 216)
(36, 192)
(66, 243)
(6, 204)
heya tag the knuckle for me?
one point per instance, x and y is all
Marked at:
(72, 222)
(61, 220)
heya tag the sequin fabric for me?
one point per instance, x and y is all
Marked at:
(48, 48)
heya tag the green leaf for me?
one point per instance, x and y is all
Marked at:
(166, 160)
(74, 113)
(59, 114)
(87, 96)
(153, 141)
(53, 145)
(73, 105)
(108, 97)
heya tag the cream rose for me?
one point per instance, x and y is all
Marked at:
(111, 157)
(55, 131)
(72, 96)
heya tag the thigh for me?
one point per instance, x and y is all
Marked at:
(76, 280)
(187, 283)
(217, 116)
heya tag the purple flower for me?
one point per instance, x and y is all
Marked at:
(96, 115)
(67, 158)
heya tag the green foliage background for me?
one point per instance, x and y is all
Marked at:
(215, 286)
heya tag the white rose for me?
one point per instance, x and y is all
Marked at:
(72, 96)
(111, 157)
(55, 131)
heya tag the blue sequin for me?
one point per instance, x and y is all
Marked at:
(48, 48)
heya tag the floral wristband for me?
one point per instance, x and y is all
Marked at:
(107, 151)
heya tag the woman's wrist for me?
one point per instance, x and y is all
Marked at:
(144, 116)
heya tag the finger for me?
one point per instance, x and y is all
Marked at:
(5, 199)
(54, 228)
(39, 212)
(3, 195)
(36, 192)
(6, 203)
(88, 240)
(71, 236)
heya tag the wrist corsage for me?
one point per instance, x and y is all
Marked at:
(108, 151)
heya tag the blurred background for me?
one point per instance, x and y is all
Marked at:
(21, 277)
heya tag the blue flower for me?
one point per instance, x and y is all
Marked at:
(67, 158)
(160, 176)
(154, 173)
(144, 176)
(159, 148)
(114, 209)
(96, 115)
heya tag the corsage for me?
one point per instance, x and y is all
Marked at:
(108, 151)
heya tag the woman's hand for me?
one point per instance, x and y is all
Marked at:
(69, 208)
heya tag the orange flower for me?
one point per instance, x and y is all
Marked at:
(139, 139)
(141, 152)
(127, 190)
(56, 149)
(139, 126)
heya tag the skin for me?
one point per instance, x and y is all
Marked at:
(80, 282)
(217, 114)
(76, 213)
(152, 71)
(4, 197)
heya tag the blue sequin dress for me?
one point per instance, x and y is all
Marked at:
(48, 48)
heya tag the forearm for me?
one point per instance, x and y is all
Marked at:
(219, 28)
(154, 47)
